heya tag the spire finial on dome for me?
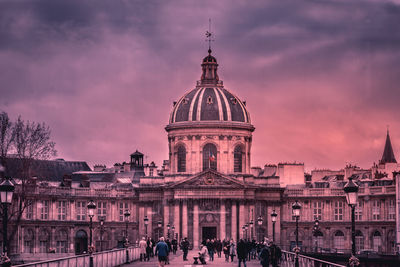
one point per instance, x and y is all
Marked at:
(209, 36)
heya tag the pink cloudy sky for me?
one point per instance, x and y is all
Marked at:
(321, 78)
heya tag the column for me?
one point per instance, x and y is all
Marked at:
(242, 218)
(184, 220)
(141, 222)
(234, 221)
(222, 231)
(177, 219)
(166, 219)
(252, 230)
(269, 225)
(196, 226)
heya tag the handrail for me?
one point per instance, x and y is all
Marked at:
(109, 258)
(289, 257)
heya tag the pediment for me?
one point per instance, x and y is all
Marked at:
(209, 179)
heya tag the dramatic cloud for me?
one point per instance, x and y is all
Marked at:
(320, 77)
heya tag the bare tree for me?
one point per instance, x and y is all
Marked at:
(29, 141)
(6, 139)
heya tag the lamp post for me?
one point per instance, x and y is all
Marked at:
(243, 229)
(274, 215)
(168, 227)
(296, 207)
(251, 229)
(316, 233)
(91, 206)
(6, 192)
(259, 222)
(101, 233)
(146, 222)
(246, 227)
(159, 225)
(127, 213)
(173, 232)
(351, 190)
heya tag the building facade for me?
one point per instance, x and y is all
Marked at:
(206, 189)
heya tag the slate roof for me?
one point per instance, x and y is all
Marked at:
(51, 170)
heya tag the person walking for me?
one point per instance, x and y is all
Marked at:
(226, 249)
(275, 254)
(242, 252)
(264, 256)
(232, 250)
(162, 252)
(218, 247)
(174, 243)
(210, 247)
(142, 249)
(185, 248)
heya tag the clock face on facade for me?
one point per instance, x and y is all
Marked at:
(208, 179)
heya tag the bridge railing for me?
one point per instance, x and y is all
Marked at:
(109, 258)
(288, 259)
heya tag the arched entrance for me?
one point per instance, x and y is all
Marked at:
(81, 242)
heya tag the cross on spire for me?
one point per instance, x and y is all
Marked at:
(209, 36)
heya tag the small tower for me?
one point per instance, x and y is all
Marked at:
(137, 164)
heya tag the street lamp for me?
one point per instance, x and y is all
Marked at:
(296, 207)
(251, 229)
(173, 232)
(159, 225)
(274, 215)
(146, 222)
(259, 222)
(351, 190)
(91, 206)
(6, 192)
(127, 213)
(316, 234)
(168, 227)
(101, 233)
(246, 226)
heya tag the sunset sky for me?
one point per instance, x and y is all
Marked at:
(321, 78)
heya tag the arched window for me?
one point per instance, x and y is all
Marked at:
(237, 159)
(181, 159)
(62, 241)
(44, 240)
(209, 157)
(376, 241)
(359, 241)
(338, 241)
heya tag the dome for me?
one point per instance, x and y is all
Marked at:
(209, 104)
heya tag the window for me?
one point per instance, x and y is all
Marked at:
(43, 246)
(358, 210)
(29, 237)
(209, 157)
(181, 159)
(44, 238)
(317, 210)
(44, 210)
(338, 212)
(101, 210)
(122, 208)
(318, 241)
(377, 241)
(29, 210)
(392, 210)
(359, 241)
(81, 210)
(238, 159)
(61, 241)
(338, 241)
(151, 172)
(376, 210)
(62, 210)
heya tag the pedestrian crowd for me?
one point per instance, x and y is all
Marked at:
(268, 253)
(245, 250)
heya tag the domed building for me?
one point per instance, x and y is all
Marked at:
(209, 128)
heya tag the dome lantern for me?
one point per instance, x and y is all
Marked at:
(209, 68)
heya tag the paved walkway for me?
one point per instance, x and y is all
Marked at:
(176, 261)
